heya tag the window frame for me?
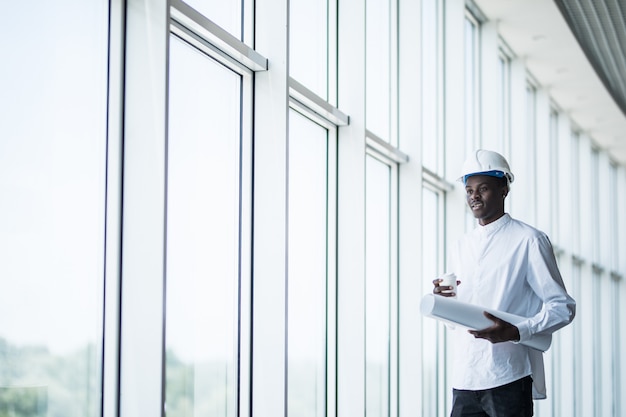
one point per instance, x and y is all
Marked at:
(319, 111)
(392, 157)
(141, 331)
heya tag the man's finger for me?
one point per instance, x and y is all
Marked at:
(490, 316)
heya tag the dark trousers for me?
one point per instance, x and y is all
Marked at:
(510, 400)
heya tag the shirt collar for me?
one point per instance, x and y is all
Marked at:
(494, 226)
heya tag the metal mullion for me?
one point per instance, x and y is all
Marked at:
(440, 88)
(331, 274)
(438, 183)
(307, 112)
(381, 157)
(112, 278)
(193, 39)
(393, 74)
(475, 11)
(394, 288)
(185, 17)
(375, 143)
(317, 104)
(142, 356)
(244, 365)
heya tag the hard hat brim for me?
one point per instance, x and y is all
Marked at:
(494, 173)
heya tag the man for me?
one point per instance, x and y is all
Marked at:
(505, 265)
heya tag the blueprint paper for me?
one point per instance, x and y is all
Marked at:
(471, 316)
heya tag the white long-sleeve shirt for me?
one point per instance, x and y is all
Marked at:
(507, 265)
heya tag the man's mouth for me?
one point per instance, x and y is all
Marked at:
(476, 205)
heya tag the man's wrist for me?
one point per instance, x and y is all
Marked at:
(523, 332)
(516, 335)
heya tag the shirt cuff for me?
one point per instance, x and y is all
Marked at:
(524, 332)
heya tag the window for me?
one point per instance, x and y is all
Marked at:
(616, 280)
(203, 228)
(311, 250)
(597, 340)
(378, 68)
(613, 216)
(554, 173)
(309, 47)
(472, 82)
(381, 198)
(311, 267)
(53, 113)
(575, 345)
(432, 86)
(596, 209)
(377, 287)
(523, 162)
(504, 98)
(530, 190)
(381, 276)
(433, 342)
(615, 347)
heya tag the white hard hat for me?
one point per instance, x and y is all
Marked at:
(483, 162)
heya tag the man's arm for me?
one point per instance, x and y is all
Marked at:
(559, 308)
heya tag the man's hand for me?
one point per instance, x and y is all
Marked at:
(501, 331)
(439, 289)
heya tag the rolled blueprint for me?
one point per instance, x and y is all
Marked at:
(471, 316)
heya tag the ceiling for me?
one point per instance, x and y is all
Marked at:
(537, 32)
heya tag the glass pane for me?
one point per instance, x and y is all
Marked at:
(378, 69)
(554, 175)
(614, 218)
(308, 46)
(224, 13)
(430, 270)
(377, 287)
(596, 336)
(470, 84)
(307, 268)
(430, 80)
(571, 366)
(503, 103)
(530, 114)
(202, 235)
(52, 213)
(593, 194)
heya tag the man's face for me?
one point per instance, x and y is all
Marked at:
(485, 197)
